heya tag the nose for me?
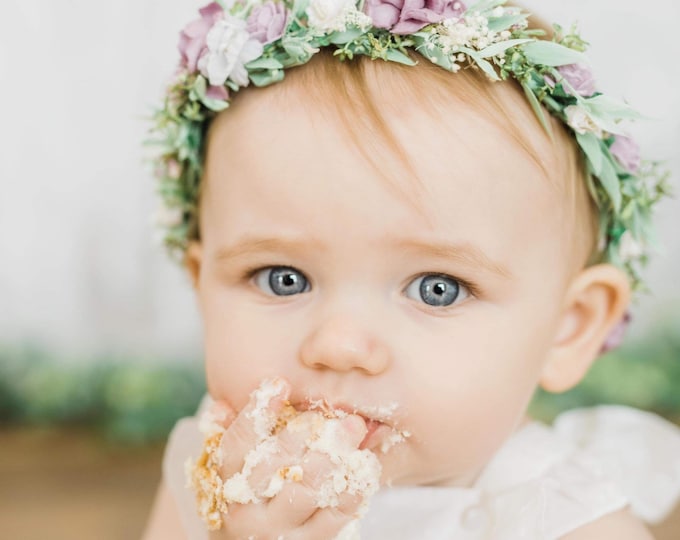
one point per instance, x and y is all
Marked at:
(342, 344)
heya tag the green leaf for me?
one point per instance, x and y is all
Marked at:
(265, 78)
(536, 106)
(610, 183)
(340, 38)
(497, 48)
(264, 63)
(590, 145)
(200, 86)
(435, 54)
(549, 53)
(609, 107)
(485, 66)
(498, 24)
(216, 105)
(485, 5)
(395, 55)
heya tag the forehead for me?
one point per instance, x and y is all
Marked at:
(283, 165)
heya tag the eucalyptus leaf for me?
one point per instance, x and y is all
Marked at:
(538, 110)
(590, 145)
(435, 54)
(485, 5)
(340, 38)
(487, 68)
(610, 183)
(216, 105)
(498, 24)
(264, 63)
(549, 53)
(265, 78)
(502, 46)
(200, 86)
(300, 7)
(602, 105)
(395, 55)
(628, 210)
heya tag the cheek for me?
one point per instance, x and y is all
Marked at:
(237, 355)
(478, 380)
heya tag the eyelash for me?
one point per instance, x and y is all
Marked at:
(473, 289)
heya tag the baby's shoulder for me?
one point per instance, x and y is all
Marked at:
(622, 525)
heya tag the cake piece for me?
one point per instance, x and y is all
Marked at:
(356, 471)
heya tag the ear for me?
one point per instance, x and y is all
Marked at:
(595, 302)
(193, 258)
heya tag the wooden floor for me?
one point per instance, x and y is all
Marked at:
(67, 485)
(57, 485)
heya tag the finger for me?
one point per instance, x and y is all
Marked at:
(252, 424)
(267, 477)
(326, 523)
(300, 500)
(218, 414)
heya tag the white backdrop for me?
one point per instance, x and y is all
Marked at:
(79, 270)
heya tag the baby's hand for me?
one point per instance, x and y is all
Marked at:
(293, 511)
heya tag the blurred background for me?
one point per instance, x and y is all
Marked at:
(100, 345)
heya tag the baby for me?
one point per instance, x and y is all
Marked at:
(417, 239)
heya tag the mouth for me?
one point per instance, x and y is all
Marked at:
(377, 430)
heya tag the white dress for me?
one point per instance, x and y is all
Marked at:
(543, 482)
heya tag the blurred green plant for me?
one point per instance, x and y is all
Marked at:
(135, 402)
(138, 400)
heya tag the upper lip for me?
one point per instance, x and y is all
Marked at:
(368, 413)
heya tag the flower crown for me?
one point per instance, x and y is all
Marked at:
(236, 42)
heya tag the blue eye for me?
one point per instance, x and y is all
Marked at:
(281, 281)
(437, 290)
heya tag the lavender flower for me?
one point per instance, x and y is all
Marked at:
(192, 39)
(267, 21)
(627, 152)
(580, 78)
(615, 337)
(408, 16)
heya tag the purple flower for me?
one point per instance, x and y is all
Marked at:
(616, 335)
(408, 16)
(579, 77)
(267, 21)
(192, 40)
(627, 152)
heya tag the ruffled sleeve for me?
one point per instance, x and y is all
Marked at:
(639, 450)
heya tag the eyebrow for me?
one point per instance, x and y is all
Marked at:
(464, 253)
(253, 244)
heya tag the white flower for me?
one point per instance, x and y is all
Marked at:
(629, 248)
(329, 15)
(230, 46)
(581, 122)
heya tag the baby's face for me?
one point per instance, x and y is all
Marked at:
(442, 299)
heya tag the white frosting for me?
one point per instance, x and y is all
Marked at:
(355, 472)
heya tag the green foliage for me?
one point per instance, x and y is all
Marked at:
(129, 401)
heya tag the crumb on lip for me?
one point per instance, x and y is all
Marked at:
(381, 414)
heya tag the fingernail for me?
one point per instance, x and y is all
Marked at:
(272, 393)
